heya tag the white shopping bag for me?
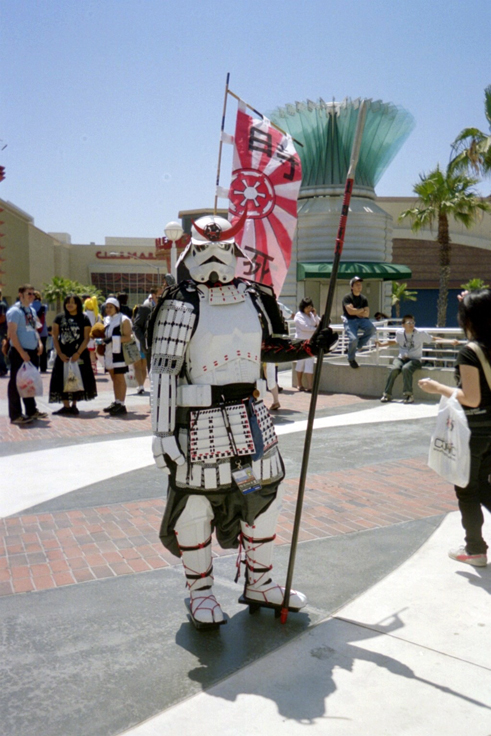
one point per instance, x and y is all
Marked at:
(449, 454)
(72, 378)
(130, 378)
(29, 381)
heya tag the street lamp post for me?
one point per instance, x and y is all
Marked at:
(173, 232)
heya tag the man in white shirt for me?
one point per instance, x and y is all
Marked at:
(153, 297)
(410, 342)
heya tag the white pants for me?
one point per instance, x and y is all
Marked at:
(305, 366)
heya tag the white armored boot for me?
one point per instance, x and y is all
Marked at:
(258, 543)
(193, 533)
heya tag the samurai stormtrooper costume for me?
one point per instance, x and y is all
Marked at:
(213, 434)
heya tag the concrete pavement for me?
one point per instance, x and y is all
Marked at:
(409, 656)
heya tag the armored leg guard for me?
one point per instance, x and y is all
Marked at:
(258, 543)
(193, 532)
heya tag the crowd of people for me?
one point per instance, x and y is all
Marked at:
(81, 340)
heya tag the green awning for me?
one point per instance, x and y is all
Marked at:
(348, 269)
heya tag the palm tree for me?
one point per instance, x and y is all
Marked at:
(474, 285)
(442, 195)
(58, 288)
(472, 148)
(400, 293)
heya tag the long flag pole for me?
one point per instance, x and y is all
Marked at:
(318, 368)
(221, 142)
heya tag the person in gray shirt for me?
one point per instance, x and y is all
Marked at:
(410, 342)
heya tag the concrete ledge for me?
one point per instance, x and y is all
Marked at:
(370, 379)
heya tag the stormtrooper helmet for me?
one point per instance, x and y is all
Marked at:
(212, 252)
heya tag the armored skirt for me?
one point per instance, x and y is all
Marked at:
(213, 455)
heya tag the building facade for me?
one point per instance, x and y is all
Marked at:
(135, 265)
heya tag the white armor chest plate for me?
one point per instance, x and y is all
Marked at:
(226, 347)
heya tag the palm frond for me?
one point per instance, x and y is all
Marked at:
(487, 104)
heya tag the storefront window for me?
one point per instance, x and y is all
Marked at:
(136, 285)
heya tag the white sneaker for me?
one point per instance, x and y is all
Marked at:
(461, 555)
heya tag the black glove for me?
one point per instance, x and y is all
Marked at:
(323, 339)
(107, 340)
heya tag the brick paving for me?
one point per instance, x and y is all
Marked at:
(51, 550)
(40, 551)
(93, 422)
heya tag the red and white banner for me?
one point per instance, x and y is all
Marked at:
(266, 179)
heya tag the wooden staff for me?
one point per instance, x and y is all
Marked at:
(318, 368)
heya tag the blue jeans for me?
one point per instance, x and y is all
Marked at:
(357, 343)
(407, 367)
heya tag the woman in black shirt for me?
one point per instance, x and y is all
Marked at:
(71, 334)
(474, 393)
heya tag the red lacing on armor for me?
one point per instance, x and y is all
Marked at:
(194, 575)
(258, 540)
(250, 562)
(239, 560)
(285, 348)
(308, 349)
(201, 545)
(199, 602)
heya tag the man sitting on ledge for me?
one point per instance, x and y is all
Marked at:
(356, 313)
(410, 342)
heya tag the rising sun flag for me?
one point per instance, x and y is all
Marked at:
(266, 179)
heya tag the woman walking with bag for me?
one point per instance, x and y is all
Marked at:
(117, 332)
(473, 372)
(72, 378)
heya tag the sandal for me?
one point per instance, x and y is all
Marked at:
(274, 407)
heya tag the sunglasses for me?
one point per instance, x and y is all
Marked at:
(29, 293)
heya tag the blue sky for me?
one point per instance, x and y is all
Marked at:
(111, 109)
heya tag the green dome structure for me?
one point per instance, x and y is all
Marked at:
(326, 131)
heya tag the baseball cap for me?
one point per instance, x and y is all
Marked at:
(355, 279)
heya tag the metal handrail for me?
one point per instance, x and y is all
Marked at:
(441, 356)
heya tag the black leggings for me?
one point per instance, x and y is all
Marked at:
(476, 494)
